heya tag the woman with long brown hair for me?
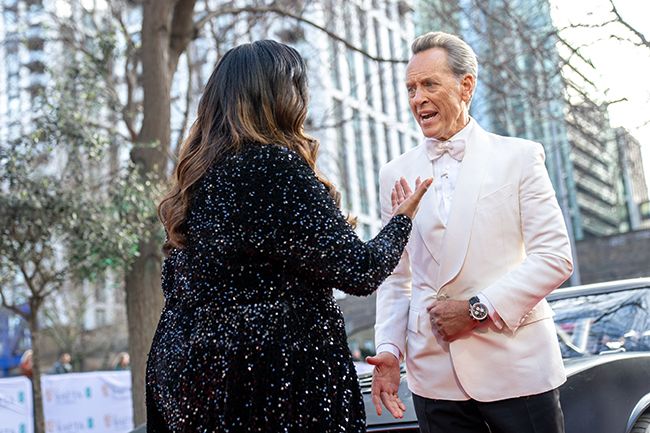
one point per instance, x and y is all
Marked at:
(250, 338)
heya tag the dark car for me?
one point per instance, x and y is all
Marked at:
(604, 334)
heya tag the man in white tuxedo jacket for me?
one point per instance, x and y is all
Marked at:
(466, 306)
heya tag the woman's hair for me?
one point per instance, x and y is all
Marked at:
(256, 94)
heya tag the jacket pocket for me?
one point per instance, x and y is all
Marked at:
(539, 312)
(414, 321)
(495, 198)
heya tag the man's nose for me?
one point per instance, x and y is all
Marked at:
(419, 97)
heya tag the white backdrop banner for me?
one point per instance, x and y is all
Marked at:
(98, 402)
(16, 405)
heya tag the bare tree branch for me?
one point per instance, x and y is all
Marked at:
(13, 308)
(631, 28)
(128, 110)
(272, 9)
(188, 102)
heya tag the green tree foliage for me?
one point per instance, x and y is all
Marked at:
(72, 204)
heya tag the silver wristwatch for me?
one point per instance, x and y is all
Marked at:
(477, 310)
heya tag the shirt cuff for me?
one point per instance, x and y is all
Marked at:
(494, 316)
(390, 348)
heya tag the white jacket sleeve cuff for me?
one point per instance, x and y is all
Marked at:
(390, 348)
(494, 316)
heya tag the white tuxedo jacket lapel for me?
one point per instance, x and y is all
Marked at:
(428, 221)
(463, 207)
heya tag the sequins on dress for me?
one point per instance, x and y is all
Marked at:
(250, 338)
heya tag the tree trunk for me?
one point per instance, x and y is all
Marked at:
(39, 417)
(143, 294)
(143, 304)
(167, 28)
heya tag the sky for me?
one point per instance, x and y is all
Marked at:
(623, 68)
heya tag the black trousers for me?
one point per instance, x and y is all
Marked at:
(540, 413)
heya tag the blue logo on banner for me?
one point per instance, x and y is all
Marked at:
(90, 423)
(21, 397)
(88, 392)
(22, 428)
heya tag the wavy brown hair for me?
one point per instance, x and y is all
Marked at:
(256, 94)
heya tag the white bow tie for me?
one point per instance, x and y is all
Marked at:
(455, 148)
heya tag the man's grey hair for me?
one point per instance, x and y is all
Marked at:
(460, 56)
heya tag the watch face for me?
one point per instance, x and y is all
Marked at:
(479, 311)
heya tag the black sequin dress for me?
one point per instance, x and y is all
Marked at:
(250, 338)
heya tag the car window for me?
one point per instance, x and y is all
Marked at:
(603, 323)
(362, 343)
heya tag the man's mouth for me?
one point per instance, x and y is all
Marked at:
(427, 116)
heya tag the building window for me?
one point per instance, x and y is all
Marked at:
(387, 141)
(350, 55)
(335, 66)
(361, 166)
(402, 143)
(344, 174)
(374, 149)
(381, 73)
(397, 78)
(100, 317)
(352, 68)
(366, 232)
(100, 294)
(367, 72)
(367, 66)
(390, 8)
(405, 48)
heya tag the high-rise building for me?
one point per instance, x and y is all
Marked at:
(634, 180)
(22, 65)
(596, 170)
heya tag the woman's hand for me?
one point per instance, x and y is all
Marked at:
(405, 201)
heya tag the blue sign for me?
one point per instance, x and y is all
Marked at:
(14, 339)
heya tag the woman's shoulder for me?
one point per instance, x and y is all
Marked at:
(270, 159)
(276, 153)
(259, 164)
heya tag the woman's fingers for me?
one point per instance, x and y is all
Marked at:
(422, 188)
(404, 200)
(405, 186)
(400, 191)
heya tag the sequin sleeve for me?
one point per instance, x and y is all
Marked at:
(315, 239)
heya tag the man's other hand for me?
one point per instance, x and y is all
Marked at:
(385, 384)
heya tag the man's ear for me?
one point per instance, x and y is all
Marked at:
(467, 86)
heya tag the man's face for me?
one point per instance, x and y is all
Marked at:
(438, 99)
